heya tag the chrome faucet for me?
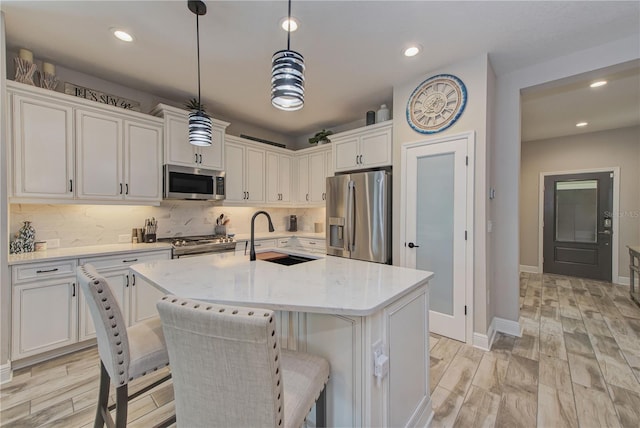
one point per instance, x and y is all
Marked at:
(252, 252)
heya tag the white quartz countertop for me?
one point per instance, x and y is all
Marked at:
(332, 285)
(86, 251)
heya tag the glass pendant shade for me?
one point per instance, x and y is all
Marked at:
(199, 129)
(287, 80)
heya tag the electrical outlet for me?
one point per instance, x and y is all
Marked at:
(53, 243)
(376, 349)
(125, 238)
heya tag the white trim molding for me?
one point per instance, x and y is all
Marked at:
(529, 269)
(623, 280)
(501, 325)
(5, 373)
(485, 341)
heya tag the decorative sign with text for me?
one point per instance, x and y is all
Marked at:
(100, 97)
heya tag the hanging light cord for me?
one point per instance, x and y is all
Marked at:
(198, 49)
(289, 29)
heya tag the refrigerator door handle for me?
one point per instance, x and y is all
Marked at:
(351, 218)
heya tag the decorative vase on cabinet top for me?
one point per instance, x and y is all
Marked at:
(383, 114)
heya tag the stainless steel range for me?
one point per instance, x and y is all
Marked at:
(189, 246)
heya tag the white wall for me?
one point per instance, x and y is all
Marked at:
(476, 75)
(612, 148)
(81, 225)
(506, 158)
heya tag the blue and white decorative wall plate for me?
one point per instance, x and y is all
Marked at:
(436, 104)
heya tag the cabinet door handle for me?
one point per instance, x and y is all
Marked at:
(73, 292)
(196, 158)
(133, 283)
(200, 158)
(121, 188)
(71, 185)
(307, 197)
(247, 195)
(129, 261)
(127, 284)
(126, 186)
(312, 243)
(47, 270)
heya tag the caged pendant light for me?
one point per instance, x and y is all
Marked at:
(199, 121)
(287, 77)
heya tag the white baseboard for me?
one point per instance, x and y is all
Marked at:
(529, 269)
(5, 373)
(623, 280)
(512, 328)
(484, 341)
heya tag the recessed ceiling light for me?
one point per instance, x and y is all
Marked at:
(581, 124)
(286, 22)
(412, 50)
(123, 35)
(598, 83)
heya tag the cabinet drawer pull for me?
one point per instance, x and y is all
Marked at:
(129, 261)
(312, 243)
(47, 270)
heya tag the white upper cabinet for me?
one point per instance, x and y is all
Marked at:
(118, 159)
(43, 162)
(312, 172)
(142, 157)
(362, 148)
(99, 152)
(70, 148)
(279, 169)
(245, 171)
(178, 150)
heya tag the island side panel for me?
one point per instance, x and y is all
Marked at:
(408, 401)
(338, 339)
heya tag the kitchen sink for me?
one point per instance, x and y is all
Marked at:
(283, 258)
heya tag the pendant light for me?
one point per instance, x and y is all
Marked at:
(287, 77)
(199, 121)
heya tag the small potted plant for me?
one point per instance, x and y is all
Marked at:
(321, 137)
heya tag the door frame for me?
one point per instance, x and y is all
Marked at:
(616, 208)
(470, 136)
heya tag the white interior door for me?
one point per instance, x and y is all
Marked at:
(435, 229)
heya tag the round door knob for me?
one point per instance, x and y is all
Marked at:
(412, 245)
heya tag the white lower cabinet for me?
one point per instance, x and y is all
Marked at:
(49, 310)
(136, 297)
(44, 307)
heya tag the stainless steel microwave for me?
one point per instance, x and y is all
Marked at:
(181, 182)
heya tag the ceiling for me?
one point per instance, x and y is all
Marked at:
(352, 49)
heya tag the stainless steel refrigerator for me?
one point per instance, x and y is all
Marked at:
(359, 216)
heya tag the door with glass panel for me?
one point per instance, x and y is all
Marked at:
(435, 227)
(578, 225)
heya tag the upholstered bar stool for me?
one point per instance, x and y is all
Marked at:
(125, 353)
(228, 369)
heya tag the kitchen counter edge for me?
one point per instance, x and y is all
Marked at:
(86, 251)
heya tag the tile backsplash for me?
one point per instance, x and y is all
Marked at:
(80, 225)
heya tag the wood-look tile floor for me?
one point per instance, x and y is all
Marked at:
(577, 364)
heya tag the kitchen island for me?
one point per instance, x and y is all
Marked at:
(347, 311)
